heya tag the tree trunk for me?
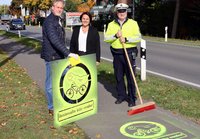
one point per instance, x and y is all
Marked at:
(133, 9)
(176, 17)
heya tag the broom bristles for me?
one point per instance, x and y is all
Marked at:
(141, 108)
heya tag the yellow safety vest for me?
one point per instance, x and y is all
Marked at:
(130, 30)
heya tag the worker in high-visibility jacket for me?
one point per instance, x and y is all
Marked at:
(126, 31)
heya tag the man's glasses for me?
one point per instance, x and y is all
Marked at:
(121, 10)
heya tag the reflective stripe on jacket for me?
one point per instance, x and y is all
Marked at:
(130, 30)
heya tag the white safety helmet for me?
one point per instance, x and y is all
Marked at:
(120, 6)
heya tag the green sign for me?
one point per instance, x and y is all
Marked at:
(143, 130)
(158, 129)
(74, 89)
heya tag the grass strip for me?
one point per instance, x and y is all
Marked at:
(173, 41)
(32, 43)
(170, 95)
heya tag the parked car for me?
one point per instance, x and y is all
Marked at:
(17, 24)
(5, 19)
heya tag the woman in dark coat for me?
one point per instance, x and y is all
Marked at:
(85, 39)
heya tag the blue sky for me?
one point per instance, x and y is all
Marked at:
(5, 2)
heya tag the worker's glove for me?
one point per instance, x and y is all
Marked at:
(73, 55)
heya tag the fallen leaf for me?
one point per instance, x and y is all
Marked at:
(75, 132)
(15, 105)
(70, 131)
(75, 129)
(52, 127)
(42, 122)
(65, 137)
(3, 106)
(3, 124)
(98, 136)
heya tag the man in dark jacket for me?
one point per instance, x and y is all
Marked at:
(53, 46)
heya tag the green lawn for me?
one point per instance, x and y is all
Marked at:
(23, 40)
(170, 40)
(180, 99)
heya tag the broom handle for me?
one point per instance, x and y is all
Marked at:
(129, 63)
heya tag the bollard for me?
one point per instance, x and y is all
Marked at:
(71, 29)
(19, 33)
(7, 27)
(166, 35)
(143, 60)
(39, 24)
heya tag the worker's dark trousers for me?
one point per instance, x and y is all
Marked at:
(121, 68)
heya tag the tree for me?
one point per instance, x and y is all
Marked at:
(35, 3)
(70, 6)
(32, 5)
(189, 20)
(176, 17)
(45, 4)
(85, 6)
(4, 9)
(15, 8)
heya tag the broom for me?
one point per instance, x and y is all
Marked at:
(143, 106)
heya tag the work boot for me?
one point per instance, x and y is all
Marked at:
(131, 104)
(119, 101)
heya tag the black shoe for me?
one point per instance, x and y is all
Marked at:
(131, 104)
(119, 101)
(51, 112)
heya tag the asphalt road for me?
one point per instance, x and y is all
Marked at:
(172, 61)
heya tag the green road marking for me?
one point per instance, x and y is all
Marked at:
(143, 129)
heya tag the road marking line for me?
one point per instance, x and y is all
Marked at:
(165, 76)
(175, 79)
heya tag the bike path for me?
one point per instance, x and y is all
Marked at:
(111, 121)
